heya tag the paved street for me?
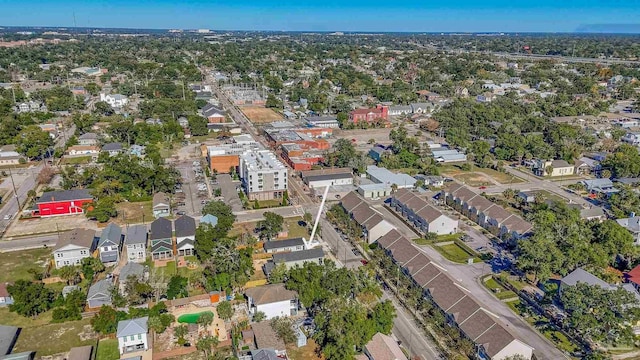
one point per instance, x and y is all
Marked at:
(29, 243)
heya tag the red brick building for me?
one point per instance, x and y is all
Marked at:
(369, 115)
(299, 156)
(66, 202)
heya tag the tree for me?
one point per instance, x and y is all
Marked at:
(509, 194)
(205, 344)
(225, 216)
(71, 309)
(103, 209)
(205, 319)
(180, 332)
(278, 274)
(624, 162)
(90, 267)
(70, 273)
(273, 102)
(177, 287)
(307, 218)
(271, 225)
(283, 327)
(29, 298)
(225, 310)
(106, 320)
(103, 108)
(382, 317)
(259, 316)
(137, 292)
(33, 142)
(198, 125)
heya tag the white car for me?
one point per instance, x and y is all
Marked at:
(8, 217)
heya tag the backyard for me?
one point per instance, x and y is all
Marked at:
(55, 338)
(108, 350)
(21, 264)
(134, 212)
(497, 289)
(290, 224)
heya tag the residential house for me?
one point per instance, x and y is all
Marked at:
(593, 213)
(9, 156)
(422, 215)
(527, 196)
(82, 150)
(553, 168)
(266, 339)
(133, 335)
(73, 246)
(633, 277)
(183, 122)
(599, 186)
(100, 293)
(400, 110)
(214, 114)
(632, 138)
(69, 289)
(273, 300)
(422, 108)
(5, 297)
(288, 245)
(161, 239)
(115, 100)
(110, 243)
(479, 325)
(587, 166)
(88, 139)
(112, 149)
(372, 222)
(137, 150)
(161, 205)
(63, 202)
(461, 91)
(131, 269)
(185, 227)
(136, 243)
(377, 152)
(291, 259)
(580, 275)
(383, 347)
(632, 224)
(212, 220)
(80, 353)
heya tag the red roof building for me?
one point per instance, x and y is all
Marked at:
(67, 202)
(633, 277)
(369, 115)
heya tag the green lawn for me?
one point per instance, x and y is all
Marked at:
(17, 264)
(54, 338)
(295, 229)
(12, 319)
(453, 252)
(449, 237)
(134, 212)
(503, 178)
(108, 350)
(502, 293)
(76, 160)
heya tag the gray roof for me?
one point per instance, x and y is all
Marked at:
(309, 254)
(185, 226)
(632, 224)
(279, 244)
(583, 276)
(136, 234)
(131, 269)
(210, 109)
(383, 175)
(78, 237)
(209, 219)
(64, 195)
(80, 353)
(161, 228)
(100, 289)
(327, 177)
(132, 327)
(8, 337)
(112, 147)
(160, 198)
(264, 354)
(26, 355)
(111, 235)
(88, 136)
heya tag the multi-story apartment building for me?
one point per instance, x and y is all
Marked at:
(263, 176)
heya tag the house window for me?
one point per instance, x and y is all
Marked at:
(131, 338)
(139, 336)
(59, 255)
(106, 248)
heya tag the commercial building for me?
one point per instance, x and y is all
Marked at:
(384, 176)
(378, 114)
(327, 177)
(263, 176)
(326, 122)
(223, 158)
(64, 202)
(300, 157)
(374, 191)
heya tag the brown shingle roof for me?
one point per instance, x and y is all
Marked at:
(480, 203)
(463, 309)
(476, 324)
(463, 193)
(372, 221)
(350, 201)
(448, 295)
(402, 251)
(266, 337)
(80, 353)
(495, 339)
(427, 274)
(383, 347)
(362, 213)
(269, 294)
(78, 236)
(389, 238)
(417, 263)
(497, 212)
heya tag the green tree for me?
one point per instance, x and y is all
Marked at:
(259, 316)
(180, 332)
(103, 108)
(205, 344)
(177, 287)
(90, 267)
(70, 273)
(137, 292)
(624, 162)
(29, 298)
(382, 317)
(283, 327)
(225, 310)
(103, 209)
(198, 125)
(106, 320)
(270, 226)
(33, 142)
(205, 319)
(278, 274)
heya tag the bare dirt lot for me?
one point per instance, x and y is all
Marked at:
(260, 115)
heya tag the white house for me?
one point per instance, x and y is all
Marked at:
(273, 300)
(421, 214)
(5, 297)
(136, 243)
(78, 150)
(185, 228)
(88, 139)
(132, 335)
(295, 244)
(109, 243)
(73, 246)
(115, 100)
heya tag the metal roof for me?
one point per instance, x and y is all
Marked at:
(64, 195)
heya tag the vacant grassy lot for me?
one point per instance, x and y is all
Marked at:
(76, 160)
(503, 178)
(55, 338)
(260, 115)
(17, 265)
(502, 292)
(132, 212)
(291, 224)
(108, 350)
(473, 179)
(453, 252)
(12, 319)
(307, 352)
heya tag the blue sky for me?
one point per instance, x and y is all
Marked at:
(325, 15)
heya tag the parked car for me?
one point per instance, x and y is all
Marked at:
(8, 217)
(181, 212)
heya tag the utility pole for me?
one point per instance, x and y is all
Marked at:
(15, 192)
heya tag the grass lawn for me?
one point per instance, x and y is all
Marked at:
(55, 338)
(16, 264)
(108, 350)
(449, 237)
(453, 252)
(502, 293)
(12, 319)
(503, 178)
(76, 160)
(307, 352)
(473, 179)
(550, 196)
(514, 306)
(291, 224)
(132, 212)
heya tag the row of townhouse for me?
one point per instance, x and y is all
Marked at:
(491, 338)
(373, 224)
(77, 244)
(494, 218)
(423, 216)
(163, 246)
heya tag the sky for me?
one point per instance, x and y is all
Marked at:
(325, 15)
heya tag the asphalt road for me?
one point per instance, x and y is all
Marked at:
(29, 243)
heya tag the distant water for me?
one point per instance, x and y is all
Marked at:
(609, 28)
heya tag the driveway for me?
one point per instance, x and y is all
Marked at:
(228, 187)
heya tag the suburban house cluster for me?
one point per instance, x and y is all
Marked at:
(372, 222)
(422, 215)
(462, 310)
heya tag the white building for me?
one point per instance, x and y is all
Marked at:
(73, 246)
(132, 335)
(324, 180)
(115, 100)
(374, 191)
(273, 300)
(263, 176)
(136, 243)
(384, 176)
(421, 214)
(326, 122)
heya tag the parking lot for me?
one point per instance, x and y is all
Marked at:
(193, 193)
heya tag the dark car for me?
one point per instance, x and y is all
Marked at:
(181, 212)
